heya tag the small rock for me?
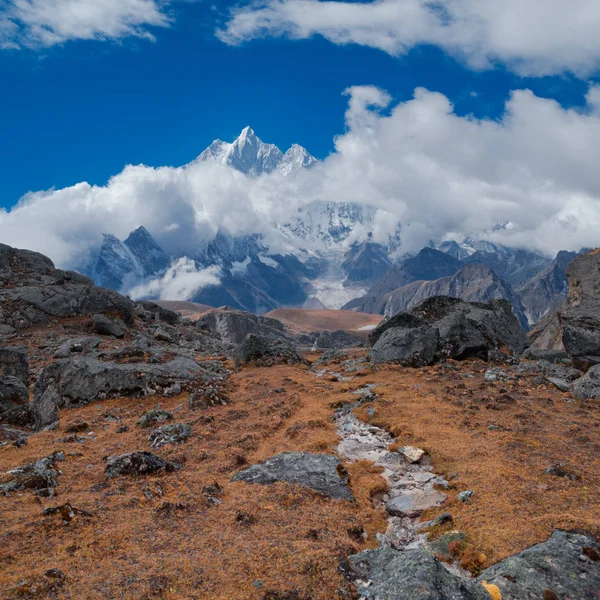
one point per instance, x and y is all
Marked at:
(137, 463)
(412, 454)
(209, 396)
(162, 336)
(559, 471)
(122, 429)
(156, 415)
(465, 496)
(174, 434)
(78, 427)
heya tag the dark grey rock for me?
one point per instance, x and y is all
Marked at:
(558, 565)
(553, 356)
(267, 351)
(40, 476)
(559, 384)
(20, 416)
(13, 363)
(386, 574)
(415, 347)
(154, 416)
(321, 472)
(13, 393)
(174, 434)
(338, 339)
(137, 463)
(105, 326)
(588, 386)
(158, 313)
(234, 325)
(462, 330)
(162, 336)
(79, 381)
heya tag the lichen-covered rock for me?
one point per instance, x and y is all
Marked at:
(321, 472)
(206, 397)
(386, 574)
(174, 434)
(137, 463)
(560, 565)
(79, 381)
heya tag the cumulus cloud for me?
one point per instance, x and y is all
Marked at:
(180, 282)
(44, 23)
(416, 162)
(531, 37)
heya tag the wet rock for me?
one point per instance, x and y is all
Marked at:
(412, 502)
(79, 381)
(137, 463)
(320, 472)
(266, 351)
(41, 476)
(13, 393)
(105, 326)
(412, 454)
(154, 416)
(443, 327)
(465, 496)
(174, 434)
(553, 565)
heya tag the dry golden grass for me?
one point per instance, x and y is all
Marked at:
(160, 536)
(302, 319)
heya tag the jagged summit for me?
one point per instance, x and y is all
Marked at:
(250, 155)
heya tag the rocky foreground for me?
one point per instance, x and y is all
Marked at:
(147, 456)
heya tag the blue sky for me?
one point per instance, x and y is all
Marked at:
(81, 110)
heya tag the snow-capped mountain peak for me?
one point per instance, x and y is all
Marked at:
(250, 155)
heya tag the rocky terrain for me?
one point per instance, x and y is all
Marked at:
(145, 455)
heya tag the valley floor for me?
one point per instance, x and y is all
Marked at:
(195, 534)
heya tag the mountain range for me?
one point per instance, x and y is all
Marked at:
(330, 259)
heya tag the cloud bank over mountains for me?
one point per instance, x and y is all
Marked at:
(441, 175)
(527, 36)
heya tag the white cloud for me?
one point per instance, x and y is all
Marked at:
(43, 23)
(529, 36)
(417, 162)
(180, 282)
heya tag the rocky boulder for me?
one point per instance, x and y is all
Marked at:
(40, 476)
(565, 566)
(575, 327)
(13, 362)
(105, 326)
(174, 434)
(13, 393)
(267, 351)
(79, 381)
(442, 327)
(234, 325)
(588, 386)
(321, 472)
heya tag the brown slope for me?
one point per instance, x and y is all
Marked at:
(302, 319)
